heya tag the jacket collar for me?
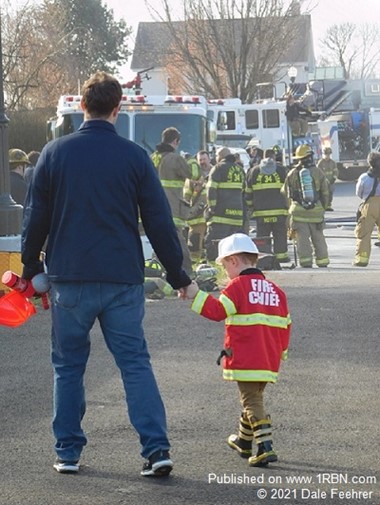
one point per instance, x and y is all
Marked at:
(98, 124)
(251, 271)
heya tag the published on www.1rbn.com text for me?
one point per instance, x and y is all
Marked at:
(318, 487)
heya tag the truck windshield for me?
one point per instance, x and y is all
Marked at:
(69, 123)
(148, 128)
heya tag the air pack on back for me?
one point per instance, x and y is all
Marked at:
(307, 189)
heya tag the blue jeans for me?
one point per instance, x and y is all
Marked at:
(120, 311)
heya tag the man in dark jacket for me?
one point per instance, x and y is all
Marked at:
(225, 206)
(87, 193)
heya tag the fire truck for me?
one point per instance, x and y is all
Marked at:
(351, 136)
(344, 115)
(261, 124)
(142, 119)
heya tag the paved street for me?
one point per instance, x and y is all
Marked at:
(324, 408)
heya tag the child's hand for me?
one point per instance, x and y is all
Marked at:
(189, 292)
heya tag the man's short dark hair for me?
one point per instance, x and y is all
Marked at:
(169, 135)
(101, 94)
(33, 157)
(373, 160)
(203, 151)
(269, 153)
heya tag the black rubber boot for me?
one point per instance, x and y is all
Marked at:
(262, 431)
(242, 443)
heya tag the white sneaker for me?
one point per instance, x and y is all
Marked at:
(66, 466)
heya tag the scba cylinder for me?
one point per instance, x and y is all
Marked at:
(307, 187)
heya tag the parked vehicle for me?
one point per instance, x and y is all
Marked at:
(143, 118)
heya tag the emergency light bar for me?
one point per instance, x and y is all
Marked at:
(183, 99)
(133, 99)
(216, 102)
(71, 101)
(225, 101)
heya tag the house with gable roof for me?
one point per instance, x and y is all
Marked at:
(153, 42)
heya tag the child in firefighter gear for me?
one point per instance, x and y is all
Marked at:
(306, 214)
(173, 170)
(328, 165)
(225, 203)
(368, 189)
(257, 332)
(267, 204)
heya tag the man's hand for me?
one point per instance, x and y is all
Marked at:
(189, 292)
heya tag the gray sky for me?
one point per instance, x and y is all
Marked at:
(324, 13)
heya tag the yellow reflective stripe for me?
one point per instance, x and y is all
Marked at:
(270, 185)
(198, 220)
(273, 212)
(167, 289)
(258, 318)
(166, 183)
(195, 170)
(284, 355)
(228, 304)
(306, 260)
(199, 301)
(281, 256)
(322, 261)
(156, 158)
(302, 219)
(230, 185)
(224, 185)
(248, 190)
(250, 375)
(179, 222)
(225, 220)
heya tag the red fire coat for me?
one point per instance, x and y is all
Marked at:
(257, 326)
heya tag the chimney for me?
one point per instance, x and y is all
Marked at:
(295, 8)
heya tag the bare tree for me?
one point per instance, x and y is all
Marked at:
(223, 48)
(368, 61)
(356, 48)
(49, 47)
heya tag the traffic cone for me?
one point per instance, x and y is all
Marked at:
(15, 309)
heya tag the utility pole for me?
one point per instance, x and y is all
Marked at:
(10, 212)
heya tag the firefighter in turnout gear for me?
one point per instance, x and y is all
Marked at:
(195, 193)
(267, 204)
(307, 189)
(225, 211)
(368, 189)
(328, 165)
(173, 170)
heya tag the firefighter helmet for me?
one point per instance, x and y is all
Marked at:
(153, 268)
(303, 152)
(17, 156)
